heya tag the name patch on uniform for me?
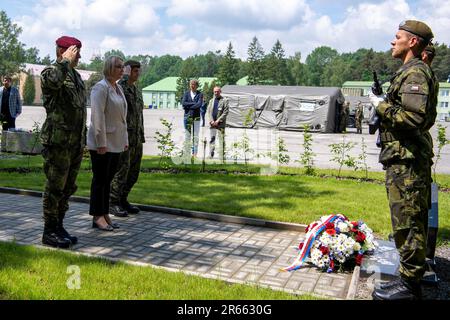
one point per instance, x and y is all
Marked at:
(415, 88)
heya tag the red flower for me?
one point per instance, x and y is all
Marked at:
(358, 260)
(354, 223)
(329, 225)
(360, 237)
(324, 250)
(300, 246)
(354, 230)
(331, 232)
(332, 264)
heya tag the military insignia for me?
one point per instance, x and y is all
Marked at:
(415, 88)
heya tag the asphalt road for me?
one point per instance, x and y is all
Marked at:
(261, 140)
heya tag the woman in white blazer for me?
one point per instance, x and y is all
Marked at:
(107, 138)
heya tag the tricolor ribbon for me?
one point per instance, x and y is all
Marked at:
(309, 240)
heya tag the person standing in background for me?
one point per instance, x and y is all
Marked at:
(10, 104)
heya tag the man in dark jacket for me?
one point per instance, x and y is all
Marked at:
(192, 101)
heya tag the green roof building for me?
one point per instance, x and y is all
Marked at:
(161, 94)
(363, 88)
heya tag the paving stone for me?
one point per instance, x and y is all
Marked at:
(234, 252)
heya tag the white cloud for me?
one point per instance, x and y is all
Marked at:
(189, 27)
(235, 14)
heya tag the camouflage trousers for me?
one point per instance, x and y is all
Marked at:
(127, 174)
(358, 126)
(61, 166)
(407, 190)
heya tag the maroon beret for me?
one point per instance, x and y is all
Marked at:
(65, 42)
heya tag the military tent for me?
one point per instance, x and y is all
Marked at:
(283, 107)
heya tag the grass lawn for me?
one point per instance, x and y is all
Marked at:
(236, 190)
(28, 273)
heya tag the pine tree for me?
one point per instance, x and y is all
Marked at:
(29, 91)
(255, 62)
(188, 72)
(228, 68)
(277, 71)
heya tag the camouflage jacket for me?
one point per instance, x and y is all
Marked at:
(407, 114)
(135, 116)
(64, 96)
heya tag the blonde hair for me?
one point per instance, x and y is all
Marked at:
(110, 64)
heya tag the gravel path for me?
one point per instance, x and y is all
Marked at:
(439, 292)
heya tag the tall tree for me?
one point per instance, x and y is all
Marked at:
(31, 55)
(188, 72)
(297, 70)
(255, 58)
(47, 60)
(276, 67)
(316, 63)
(29, 91)
(228, 68)
(12, 53)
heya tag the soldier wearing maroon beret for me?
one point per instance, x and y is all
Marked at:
(63, 136)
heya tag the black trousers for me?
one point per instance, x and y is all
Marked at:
(7, 121)
(104, 167)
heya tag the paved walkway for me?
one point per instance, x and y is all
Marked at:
(227, 251)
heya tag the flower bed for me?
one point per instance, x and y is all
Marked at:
(334, 241)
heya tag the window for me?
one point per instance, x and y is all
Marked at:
(445, 93)
(444, 105)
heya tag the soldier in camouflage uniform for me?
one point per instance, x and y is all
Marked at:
(358, 117)
(130, 161)
(407, 114)
(63, 136)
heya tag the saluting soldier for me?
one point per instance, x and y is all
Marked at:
(130, 160)
(407, 114)
(63, 136)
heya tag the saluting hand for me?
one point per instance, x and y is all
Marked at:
(70, 54)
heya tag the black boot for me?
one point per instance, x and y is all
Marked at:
(117, 210)
(63, 232)
(129, 208)
(399, 290)
(51, 237)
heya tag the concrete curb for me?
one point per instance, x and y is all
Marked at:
(352, 289)
(182, 212)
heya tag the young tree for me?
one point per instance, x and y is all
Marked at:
(29, 91)
(12, 53)
(297, 70)
(254, 60)
(228, 68)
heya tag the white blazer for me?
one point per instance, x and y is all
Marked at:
(108, 126)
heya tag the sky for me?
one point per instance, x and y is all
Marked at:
(189, 27)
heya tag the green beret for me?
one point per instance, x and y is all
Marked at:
(133, 64)
(430, 49)
(418, 28)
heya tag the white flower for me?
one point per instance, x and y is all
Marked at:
(356, 246)
(343, 227)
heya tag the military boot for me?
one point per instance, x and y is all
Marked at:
(53, 238)
(63, 232)
(117, 210)
(399, 290)
(129, 208)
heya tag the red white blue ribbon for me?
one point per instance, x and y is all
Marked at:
(309, 240)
